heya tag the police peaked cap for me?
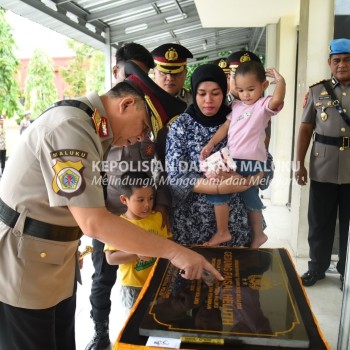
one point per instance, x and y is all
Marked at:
(338, 46)
(162, 106)
(238, 57)
(222, 63)
(171, 58)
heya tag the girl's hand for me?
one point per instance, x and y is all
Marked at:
(273, 73)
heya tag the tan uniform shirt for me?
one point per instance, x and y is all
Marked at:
(52, 167)
(327, 162)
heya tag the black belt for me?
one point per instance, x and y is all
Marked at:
(341, 142)
(38, 228)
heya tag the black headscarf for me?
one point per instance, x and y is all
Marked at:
(208, 72)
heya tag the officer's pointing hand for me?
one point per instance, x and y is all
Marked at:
(193, 265)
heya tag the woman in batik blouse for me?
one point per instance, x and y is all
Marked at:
(193, 219)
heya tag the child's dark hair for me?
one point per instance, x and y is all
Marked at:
(134, 179)
(252, 67)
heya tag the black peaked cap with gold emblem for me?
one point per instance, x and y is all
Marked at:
(171, 58)
(162, 105)
(238, 57)
(222, 63)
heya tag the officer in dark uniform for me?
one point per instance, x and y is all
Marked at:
(170, 70)
(326, 119)
(121, 159)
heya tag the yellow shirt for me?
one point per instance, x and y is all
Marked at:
(135, 273)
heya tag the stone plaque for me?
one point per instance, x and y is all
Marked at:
(254, 305)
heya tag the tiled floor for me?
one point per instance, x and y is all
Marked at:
(325, 297)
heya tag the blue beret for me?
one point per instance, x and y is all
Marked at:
(338, 46)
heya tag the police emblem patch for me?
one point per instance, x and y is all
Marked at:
(68, 180)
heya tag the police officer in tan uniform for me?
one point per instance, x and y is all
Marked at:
(170, 70)
(140, 156)
(50, 194)
(326, 121)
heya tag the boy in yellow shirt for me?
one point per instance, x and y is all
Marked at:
(138, 194)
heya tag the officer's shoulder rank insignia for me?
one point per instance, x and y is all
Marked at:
(183, 92)
(101, 124)
(319, 82)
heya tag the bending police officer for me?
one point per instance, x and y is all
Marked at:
(104, 276)
(53, 197)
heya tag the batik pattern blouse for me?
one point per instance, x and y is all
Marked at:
(193, 219)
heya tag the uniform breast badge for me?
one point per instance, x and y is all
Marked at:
(323, 115)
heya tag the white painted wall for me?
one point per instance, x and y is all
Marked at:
(283, 20)
(236, 13)
(313, 67)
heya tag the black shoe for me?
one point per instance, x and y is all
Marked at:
(100, 340)
(341, 282)
(309, 278)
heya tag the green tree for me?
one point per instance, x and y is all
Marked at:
(201, 60)
(85, 72)
(40, 90)
(191, 68)
(96, 73)
(9, 89)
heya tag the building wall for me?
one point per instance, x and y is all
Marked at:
(59, 62)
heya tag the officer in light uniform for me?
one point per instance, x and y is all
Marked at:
(170, 70)
(49, 195)
(119, 159)
(326, 121)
